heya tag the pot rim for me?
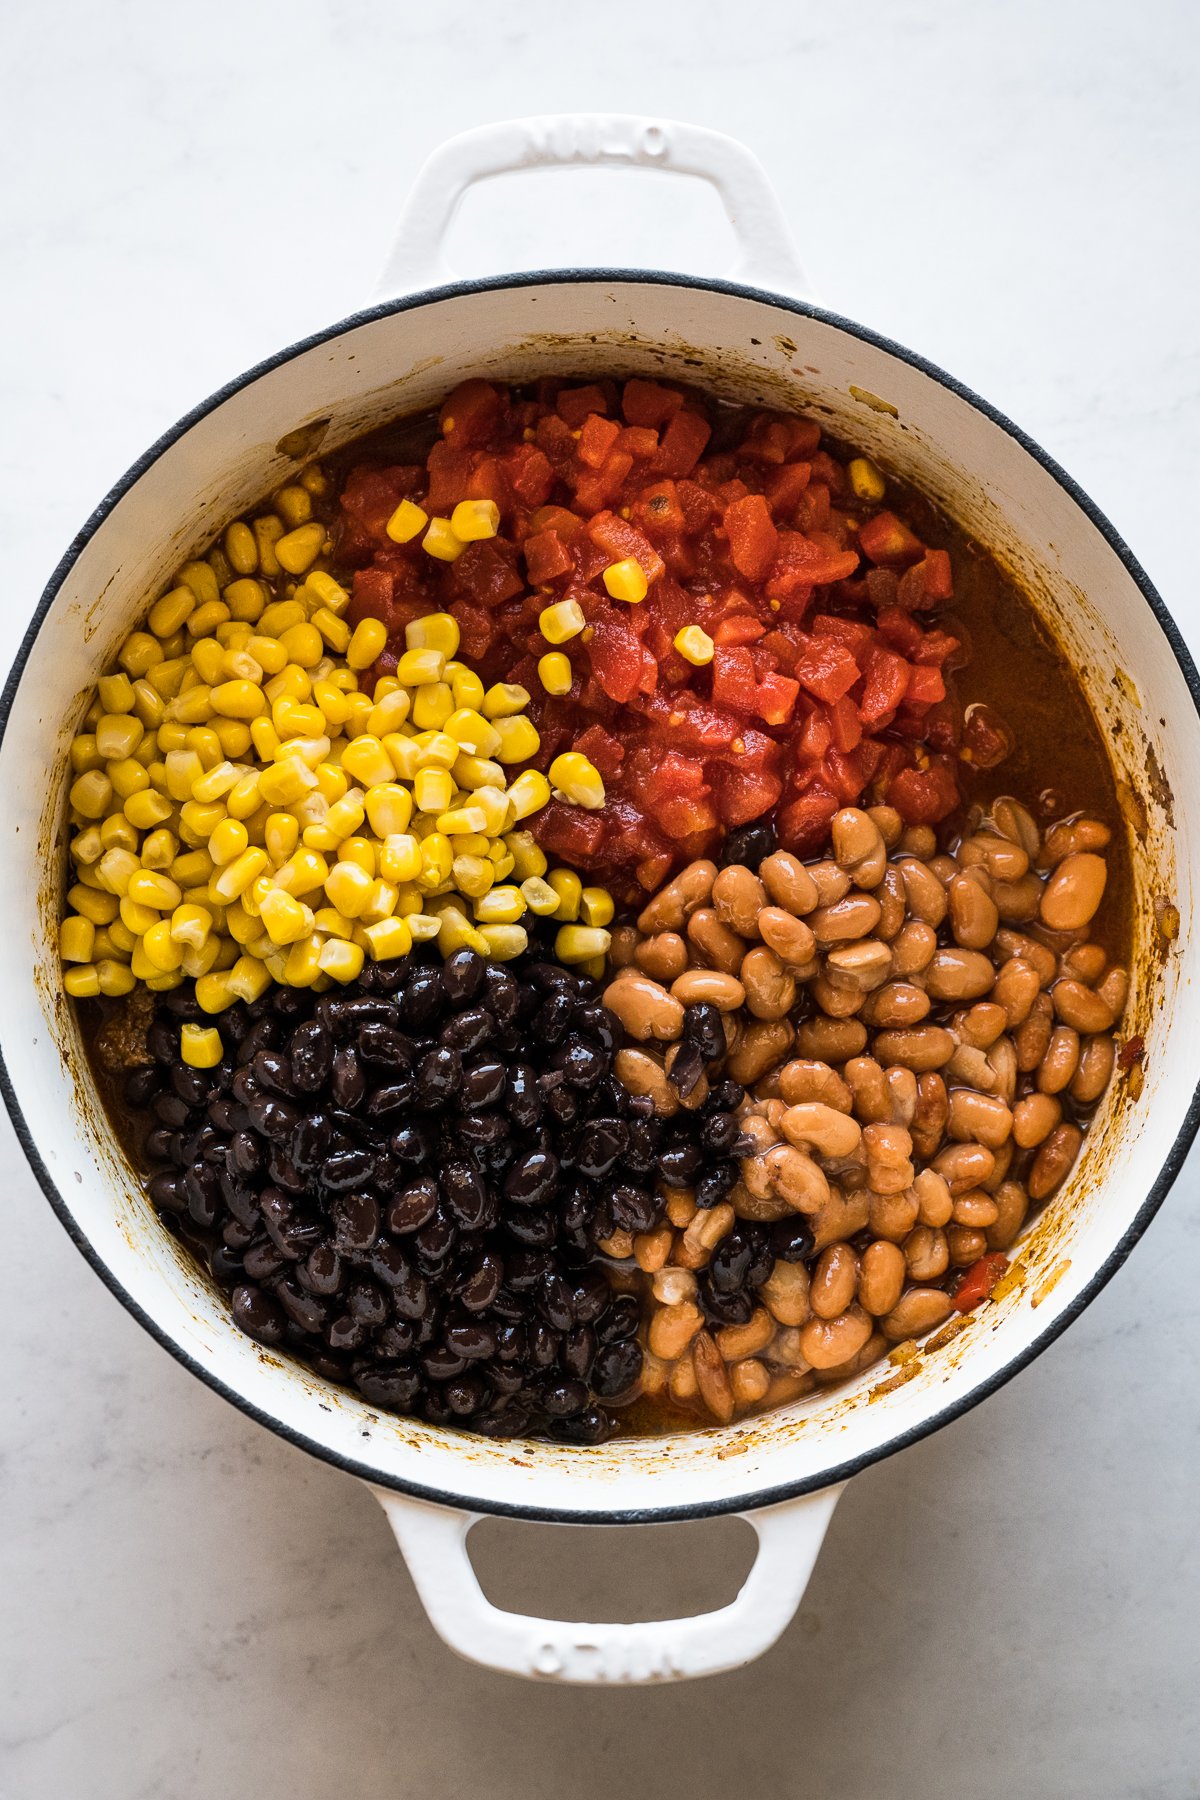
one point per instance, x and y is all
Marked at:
(956, 1409)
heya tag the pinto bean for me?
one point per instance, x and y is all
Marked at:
(902, 1089)
(834, 1281)
(981, 1024)
(895, 1004)
(973, 916)
(796, 1178)
(867, 1082)
(1114, 990)
(641, 1073)
(1033, 1037)
(966, 1245)
(675, 903)
(1084, 962)
(844, 1214)
(858, 846)
(645, 1008)
(802, 1080)
(830, 1040)
(1002, 1059)
(790, 938)
(1054, 1161)
(789, 883)
(920, 1310)
(1073, 837)
(834, 1000)
(1094, 1071)
(926, 1253)
(827, 1343)
(892, 1216)
(913, 949)
(928, 1123)
(918, 841)
(859, 966)
(881, 1276)
(770, 986)
(919, 1047)
(978, 1118)
(1016, 988)
(785, 1293)
(1080, 1007)
(1012, 943)
(712, 1378)
(829, 1132)
(1003, 1162)
(1012, 1204)
(927, 899)
(976, 1209)
(663, 956)
(1004, 858)
(1034, 1118)
(1017, 901)
(964, 1166)
(623, 946)
(889, 1158)
(893, 905)
(672, 1329)
(1016, 823)
(764, 1042)
(749, 1381)
(719, 947)
(840, 922)
(738, 1341)
(888, 823)
(935, 1203)
(959, 975)
(709, 985)
(738, 896)
(1060, 1061)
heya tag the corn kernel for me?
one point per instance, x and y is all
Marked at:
(473, 520)
(473, 875)
(208, 660)
(569, 889)
(475, 734)
(286, 782)
(88, 846)
(146, 809)
(76, 939)
(128, 778)
(191, 925)
(423, 926)
(694, 645)
(159, 948)
(150, 888)
(400, 857)
(474, 772)
(503, 699)
(415, 667)
(539, 896)
(297, 550)
(92, 794)
(241, 549)
(148, 706)
(304, 644)
(200, 1046)
(381, 902)
(166, 677)
(159, 850)
(368, 639)
(504, 942)
(497, 810)
(294, 504)
(303, 872)
(577, 780)
(436, 631)
(432, 705)
(193, 869)
(554, 672)
(100, 907)
(243, 799)
(519, 740)
(528, 856)
(83, 754)
(865, 479)
(236, 877)
(500, 906)
(116, 869)
(247, 980)
(406, 522)
(561, 621)
(386, 939)
(433, 790)
(348, 888)
(239, 699)
(204, 621)
(437, 860)
(202, 581)
(139, 653)
(82, 982)
(116, 693)
(440, 541)
(626, 580)
(579, 943)
(228, 841)
(462, 821)
(456, 932)
(116, 833)
(328, 594)
(285, 919)
(341, 960)
(596, 907)
(389, 808)
(115, 978)
(359, 850)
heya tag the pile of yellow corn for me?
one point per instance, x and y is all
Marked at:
(243, 812)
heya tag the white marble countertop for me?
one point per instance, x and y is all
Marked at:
(191, 1608)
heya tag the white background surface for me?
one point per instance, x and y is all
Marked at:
(191, 1608)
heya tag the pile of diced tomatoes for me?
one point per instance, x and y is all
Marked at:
(830, 680)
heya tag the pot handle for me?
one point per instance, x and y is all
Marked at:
(766, 254)
(433, 1540)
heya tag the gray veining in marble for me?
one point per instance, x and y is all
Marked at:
(189, 1607)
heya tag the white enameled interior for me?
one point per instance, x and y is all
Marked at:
(745, 349)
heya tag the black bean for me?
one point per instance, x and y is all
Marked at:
(578, 1351)
(751, 845)
(483, 1084)
(501, 994)
(591, 1426)
(167, 1192)
(365, 1301)
(620, 1321)
(481, 1282)
(258, 1314)
(345, 1333)
(311, 1140)
(158, 1144)
(641, 1146)
(536, 1227)
(272, 1118)
(725, 1309)
(394, 1339)
(471, 1339)
(464, 1395)
(553, 1017)
(719, 1132)
(524, 1098)
(442, 1364)
(791, 1239)
(422, 998)
(555, 1300)
(482, 1129)
(730, 1263)
(463, 975)
(303, 1309)
(395, 1386)
(680, 1164)
(438, 1076)
(322, 1271)
(412, 1143)
(616, 1367)
(227, 1267)
(384, 1045)
(468, 1031)
(542, 1344)
(355, 1220)
(634, 1208)
(715, 1184)
(687, 1070)
(597, 1023)
(203, 1191)
(413, 1207)
(564, 1398)
(171, 1110)
(533, 1179)
(310, 1050)
(347, 1082)
(273, 1071)
(263, 1258)
(141, 1085)
(467, 1196)
(344, 1169)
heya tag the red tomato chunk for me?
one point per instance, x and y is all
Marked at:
(830, 682)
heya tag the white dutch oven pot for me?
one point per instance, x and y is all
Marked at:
(785, 1471)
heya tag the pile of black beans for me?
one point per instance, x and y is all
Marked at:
(405, 1182)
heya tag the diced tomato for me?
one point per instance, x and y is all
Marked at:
(925, 796)
(639, 441)
(827, 669)
(845, 724)
(742, 628)
(810, 561)
(472, 413)
(844, 772)
(619, 540)
(546, 557)
(978, 1281)
(682, 443)
(777, 696)
(602, 749)
(753, 539)
(885, 684)
(371, 596)
(487, 572)
(596, 439)
(370, 497)
(744, 792)
(648, 402)
(568, 831)
(925, 686)
(575, 403)
(899, 629)
(785, 486)
(734, 682)
(802, 825)
(616, 656)
(476, 629)
(450, 472)
(595, 489)
(887, 540)
(658, 512)
(857, 637)
(939, 577)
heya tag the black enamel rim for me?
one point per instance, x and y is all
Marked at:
(839, 1472)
